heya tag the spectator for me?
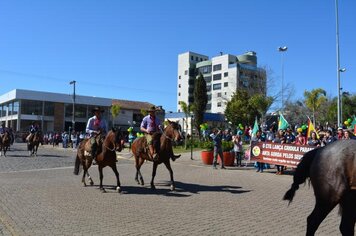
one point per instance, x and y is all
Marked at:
(259, 138)
(279, 139)
(313, 140)
(217, 138)
(237, 149)
(300, 139)
(340, 133)
(328, 138)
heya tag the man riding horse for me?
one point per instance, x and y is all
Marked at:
(3, 129)
(151, 126)
(33, 129)
(96, 125)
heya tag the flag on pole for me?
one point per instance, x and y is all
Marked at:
(282, 123)
(311, 129)
(255, 128)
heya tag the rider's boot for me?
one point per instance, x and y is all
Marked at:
(151, 153)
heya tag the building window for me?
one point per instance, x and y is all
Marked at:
(217, 77)
(208, 88)
(226, 74)
(49, 108)
(207, 79)
(192, 58)
(226, 84)
(186, 72)
(219, 95)
(209, 97)
(30, 107)
(219, 104)
(205, 69)
(217, 86)
(208, 106)
(179, 86)
(196, 58)
(180, 77)
(217, 67)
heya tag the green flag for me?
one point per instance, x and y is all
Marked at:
(283, 123)
(255, 128)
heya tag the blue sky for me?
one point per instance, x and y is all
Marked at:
(129, 49)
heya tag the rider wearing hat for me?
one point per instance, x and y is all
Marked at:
(149, 125)
(2, 129)
(96, 125)
(33, 129)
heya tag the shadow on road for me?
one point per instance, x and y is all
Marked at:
(182, 189)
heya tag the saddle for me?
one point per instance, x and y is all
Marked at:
(87, 145)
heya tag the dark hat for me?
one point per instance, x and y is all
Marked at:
(152, 108)
(97, 109)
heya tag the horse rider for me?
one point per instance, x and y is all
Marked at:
(149, 125)
(3, 129)
(33, 129)
(96, 125)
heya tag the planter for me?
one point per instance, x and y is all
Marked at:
(229, 158)
(207, 157)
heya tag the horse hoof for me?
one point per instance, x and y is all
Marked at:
(91, 183)
(153, 187)
(173, 188)
(103, 190)
(118, 189)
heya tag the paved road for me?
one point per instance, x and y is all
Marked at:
(41, 196)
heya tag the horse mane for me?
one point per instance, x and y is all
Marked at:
(301, 173)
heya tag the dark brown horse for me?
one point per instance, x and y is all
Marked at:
(5, 141)
(140, 150)
(332, 172)
(106, 157)
(33, 143)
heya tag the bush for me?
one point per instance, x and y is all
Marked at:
(207, 145)
(227, 146)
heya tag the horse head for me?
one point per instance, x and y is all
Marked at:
(173, 131)
(118, 139)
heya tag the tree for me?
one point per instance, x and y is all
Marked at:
(115, 110)
(238, 109)
(200, 101)
(314, 99)
(261, 103)
(187, 110)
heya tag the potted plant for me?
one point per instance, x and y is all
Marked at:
(207, 153)
(229, 156)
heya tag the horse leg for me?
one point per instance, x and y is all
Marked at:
(348, 218)
(321, 210)
(91, 182)
(154, 169)
(168, 165)
(118, 185)
(85, 171)
(101, 178)
(138, 171)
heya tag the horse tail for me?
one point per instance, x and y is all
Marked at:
(76, 165)
(300, 174)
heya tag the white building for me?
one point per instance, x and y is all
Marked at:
(224, 74)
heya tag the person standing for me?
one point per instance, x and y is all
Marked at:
(237, 149)
(217, 139)
(96, 125)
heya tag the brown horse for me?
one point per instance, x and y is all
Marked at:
(106, 157)
(140, 150)
(332, 172)
(5, 141)
(32, 145)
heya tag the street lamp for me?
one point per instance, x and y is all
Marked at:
(338, 70)
(282, 49)
(73, 114)
(191, 136)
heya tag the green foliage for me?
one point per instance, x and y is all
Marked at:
(227, 146)
(115, 110)
(314, 99)
(200, 101)
(207, 145)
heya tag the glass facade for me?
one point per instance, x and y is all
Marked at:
(49, 108)
(30, 107)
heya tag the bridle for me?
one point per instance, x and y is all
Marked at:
(165, 135)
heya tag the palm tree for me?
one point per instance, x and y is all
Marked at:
(115, 110)
(314, 99)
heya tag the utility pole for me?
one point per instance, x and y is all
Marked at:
(73, 112)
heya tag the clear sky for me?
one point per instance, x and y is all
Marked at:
(129, 49)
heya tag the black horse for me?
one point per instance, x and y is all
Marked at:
(332, 172)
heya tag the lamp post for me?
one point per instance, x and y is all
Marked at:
(191, 136)
(73, 114)
(338, 63)
(282, 49)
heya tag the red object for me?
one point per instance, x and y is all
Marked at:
(229, 158)
(207, 157)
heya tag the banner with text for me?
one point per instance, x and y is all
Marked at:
(278, 154)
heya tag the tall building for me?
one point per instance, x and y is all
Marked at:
(224, 74)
